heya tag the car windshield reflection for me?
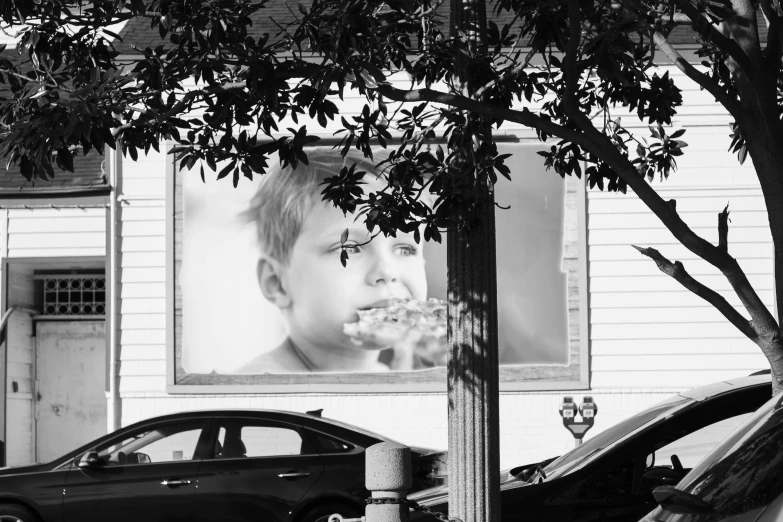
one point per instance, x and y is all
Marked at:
(582, 454)
(745, 471)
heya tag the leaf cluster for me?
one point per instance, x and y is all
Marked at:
(223, 77)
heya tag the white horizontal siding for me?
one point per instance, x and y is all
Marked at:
(670, 378)
(143, 259)
(42, 232)
(665, 348)
(643, 267)
(142, 305)
(740, 250)
(645, 328)
(143, 274)
(659, 299)
(142, 277)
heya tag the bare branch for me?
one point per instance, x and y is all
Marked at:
(723, 229)
(712, 86)
(677, 271)
(600, 145)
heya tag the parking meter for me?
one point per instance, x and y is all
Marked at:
(568, 411)
(587, 411)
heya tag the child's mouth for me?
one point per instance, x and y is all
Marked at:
(383, 303)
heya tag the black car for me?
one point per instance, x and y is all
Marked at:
(741, 480)
(227, 466)
(611, 476)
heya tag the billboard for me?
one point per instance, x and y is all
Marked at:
(262, 297)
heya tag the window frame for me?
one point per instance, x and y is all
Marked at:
(575, 375)
(198, 452)
(217, 421)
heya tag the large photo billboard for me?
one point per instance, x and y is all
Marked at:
(263, 298)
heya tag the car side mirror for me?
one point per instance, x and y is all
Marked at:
(662, 476)
(89, 460)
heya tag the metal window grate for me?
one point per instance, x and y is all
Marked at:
(74, 295)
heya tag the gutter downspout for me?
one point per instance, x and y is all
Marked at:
(114, 407)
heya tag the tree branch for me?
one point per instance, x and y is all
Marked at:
(571, 70)
(180, 105)
(713, 87)
(774, 48)
(677, 271)
(712, 34)
(723, 229)
(601, 146)
(524, 116)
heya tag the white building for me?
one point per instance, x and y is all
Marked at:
(81, 361)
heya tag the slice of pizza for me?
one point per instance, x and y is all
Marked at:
(410, 326)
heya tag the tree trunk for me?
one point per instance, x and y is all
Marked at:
(474, 445)
(767, 155)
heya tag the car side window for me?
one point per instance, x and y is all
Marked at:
(239, 438)
(329, 445)
(166, 443)
(691, 448)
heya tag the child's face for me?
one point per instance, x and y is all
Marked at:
(325, 295)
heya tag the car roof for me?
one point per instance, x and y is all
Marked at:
(702, 393)
(282, 415)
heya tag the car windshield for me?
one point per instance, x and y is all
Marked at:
(745, 471)
(592, 447)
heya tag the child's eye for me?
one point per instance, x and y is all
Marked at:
(407, 250)
(351, 248)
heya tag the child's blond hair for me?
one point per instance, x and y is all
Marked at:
(285, 196)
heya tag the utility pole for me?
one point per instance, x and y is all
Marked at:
(473, 391)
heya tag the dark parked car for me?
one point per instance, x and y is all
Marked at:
(611, 476)
(741, 480)
(226, 466)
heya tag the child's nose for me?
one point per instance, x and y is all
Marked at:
(383, 271)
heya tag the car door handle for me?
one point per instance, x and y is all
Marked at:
(174, 483)
(293, 475)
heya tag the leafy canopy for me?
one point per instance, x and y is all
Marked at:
(566, 68)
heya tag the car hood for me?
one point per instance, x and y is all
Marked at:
(427, 452)
(440, 494)
(19, 470)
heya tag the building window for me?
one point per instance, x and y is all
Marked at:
(73, 295)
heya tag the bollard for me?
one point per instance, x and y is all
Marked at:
(388, 477)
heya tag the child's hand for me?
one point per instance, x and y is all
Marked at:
(419, 350)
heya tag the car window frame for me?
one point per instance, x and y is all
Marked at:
(637, 437)
(667, 407)
(209, 454)
(637, 444)
(119, 435)
(315, 432)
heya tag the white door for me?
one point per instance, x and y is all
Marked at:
(71, 386)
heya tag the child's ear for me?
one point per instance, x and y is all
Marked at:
(270, 279)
